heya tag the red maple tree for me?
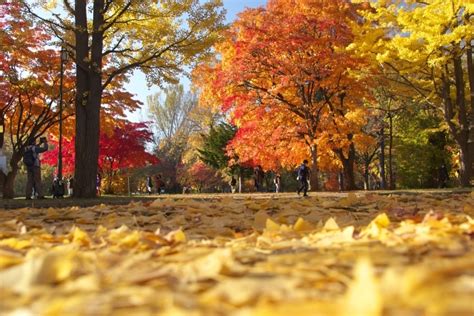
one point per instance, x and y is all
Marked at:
(122, 148)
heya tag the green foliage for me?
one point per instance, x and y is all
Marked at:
(420, 149)
(213, 151)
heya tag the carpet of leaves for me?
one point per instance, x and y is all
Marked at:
(342, 254)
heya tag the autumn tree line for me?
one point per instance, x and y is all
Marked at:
(380, 90)
(375, 94)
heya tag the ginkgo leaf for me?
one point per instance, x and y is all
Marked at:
(356, 262)
(330, 225)
(363, 296)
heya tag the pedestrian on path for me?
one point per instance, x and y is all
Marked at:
(303, 177)
(149, 185)
(258, 177)
(160, 184)
(233, 184)
(277, 182)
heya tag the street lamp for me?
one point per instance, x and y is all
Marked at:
(64, 56)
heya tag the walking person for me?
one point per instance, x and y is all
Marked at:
(33, 167)
(98, 183)
(233, 184)
(160, 185)
(443, 176)
(258, 177)
(149, 185)
(277, 182)
(303, 177)
(71, 185)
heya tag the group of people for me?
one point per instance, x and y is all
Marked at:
(154, 184)
(303, 175)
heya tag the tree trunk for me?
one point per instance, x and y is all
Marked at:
(2, 131)
(314, 176)
(108, 188)
(88, 98)
(366, 174)
(470, 71)
(383, 181)
(8, 185)
(8, 180)
(240, 180)
(463, 135)
(390, 152)
(348, 164)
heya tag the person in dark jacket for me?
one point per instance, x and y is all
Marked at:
(34, 170)
(160, 184)
(303, 177)
(233, 184)
(443, 176)
(258, 175)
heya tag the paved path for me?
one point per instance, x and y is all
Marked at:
(123, 200)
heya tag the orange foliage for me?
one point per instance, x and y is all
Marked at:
(286, 80)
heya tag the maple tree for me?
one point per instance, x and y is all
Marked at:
(30, 89)
(29, 85)
(123, 148)
(425, 48)
(288, 83)
(158, 38)
(200, 177)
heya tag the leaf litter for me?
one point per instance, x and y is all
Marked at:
(355, 254)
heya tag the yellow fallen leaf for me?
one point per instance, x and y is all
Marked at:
(260, 220)
(80, 237)
(328, 204)
(199, 264)
(468, 209)
(52, 213)
(176, 236)
(15, 243)
(129, 240)
(9, 259)
(377, 228)
(350, 200)
(50, 268)
(239, 292)
(301, 225)
(363, 297)
(331, 225)
(271, 226)
(382, 220)
(303, 308)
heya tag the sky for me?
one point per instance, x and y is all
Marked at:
(137, 82)
(235, 6)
